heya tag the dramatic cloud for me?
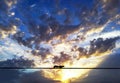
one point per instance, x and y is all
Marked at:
(70, 33)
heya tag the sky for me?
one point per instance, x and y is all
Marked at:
(44, 33)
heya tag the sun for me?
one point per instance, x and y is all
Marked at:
(68, 75)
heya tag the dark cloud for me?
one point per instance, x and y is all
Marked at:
(16, 63)
(98, 45)
(63, 58)
(103, 45)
